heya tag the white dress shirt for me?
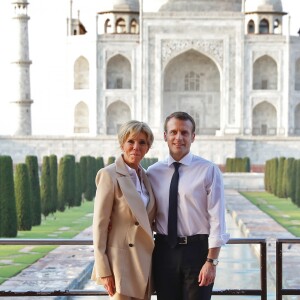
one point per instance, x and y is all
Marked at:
(201, 204)
(139, 185)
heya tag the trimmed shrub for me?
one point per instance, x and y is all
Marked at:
(83, 172)
(78, 188)
(46, 197)
(267, 177)
(293, 181)
(237, 164)
(246, 164)
(273, 175)
(280, 170)
(23, 197)
(229, 165)
(90, 191)
(111, 160)
(53, 182)
(70, 176)
(287, 177)
(8, 210)
(62, 184)
(99, 163)
(297, 183)
(34, 180)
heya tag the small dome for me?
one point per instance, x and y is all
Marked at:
(202, 5)
(263, 6)
(120, 5)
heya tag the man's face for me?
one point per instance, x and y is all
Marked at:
(179, 137)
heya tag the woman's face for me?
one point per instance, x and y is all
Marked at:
(134, 149)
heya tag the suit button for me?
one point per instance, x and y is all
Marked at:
(130, 245)
(137, 223)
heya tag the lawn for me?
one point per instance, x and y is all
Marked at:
(67, 224)
(283, 211)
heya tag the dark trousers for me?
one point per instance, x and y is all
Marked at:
(176, 270)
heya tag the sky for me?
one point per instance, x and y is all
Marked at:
(47, 30)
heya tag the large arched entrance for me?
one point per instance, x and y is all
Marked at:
(192, 84)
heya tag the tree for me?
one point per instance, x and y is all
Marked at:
(78, 188)
(247, 164)
(23, 197)
(297, 183)
(90, 177)
(273, 175)
(62, 187)
(99, 163)
(83, 172)
(46, 197)
(111, 160)
(53, 182)
(8, 209)
(293, 181)
(288, 177)
(70, 179)
(279, 188)
(33, 170)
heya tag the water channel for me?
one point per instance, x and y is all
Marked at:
(239, 268)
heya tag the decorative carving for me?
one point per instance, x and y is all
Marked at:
(171, 48)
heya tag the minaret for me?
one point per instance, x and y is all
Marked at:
(21, 100)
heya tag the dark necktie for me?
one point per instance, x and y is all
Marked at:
(173, 201)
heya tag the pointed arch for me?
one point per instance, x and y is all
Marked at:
(81, 118)
(264, 118)
(251, 27)
(118, 73)
(297, 75)
(107, 26)
(117, 114)
(121, 26)
(192, 84)
(265, 74)
(81, 73)
(264, 26)
(134, 27)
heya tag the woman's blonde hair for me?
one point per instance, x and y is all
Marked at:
(133, 128)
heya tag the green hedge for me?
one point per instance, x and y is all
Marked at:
(46, 196)
(8, 210)
(23, 197)
(237, 165)
(34, 180)
(282, 178)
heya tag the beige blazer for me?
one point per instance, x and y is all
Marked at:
(126, 250)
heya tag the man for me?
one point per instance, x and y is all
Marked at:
(184, 267)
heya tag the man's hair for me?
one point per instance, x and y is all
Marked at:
(181, 115)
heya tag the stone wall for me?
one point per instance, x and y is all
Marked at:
(216, 149)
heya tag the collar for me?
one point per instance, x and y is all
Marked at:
(133, 171)
(186, 160)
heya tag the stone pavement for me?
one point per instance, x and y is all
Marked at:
(68, 267)
(256, 224)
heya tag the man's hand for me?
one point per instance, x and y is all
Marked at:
(109, 284)
(207, 274)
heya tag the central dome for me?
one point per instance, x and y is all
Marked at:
(202, 5)
(263, 6)
(120, 5)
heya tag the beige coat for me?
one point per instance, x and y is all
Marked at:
(126, 250)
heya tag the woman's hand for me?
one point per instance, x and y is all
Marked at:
(109, 285)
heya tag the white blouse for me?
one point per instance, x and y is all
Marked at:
(139, 184)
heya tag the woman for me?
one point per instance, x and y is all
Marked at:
(123, 213)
